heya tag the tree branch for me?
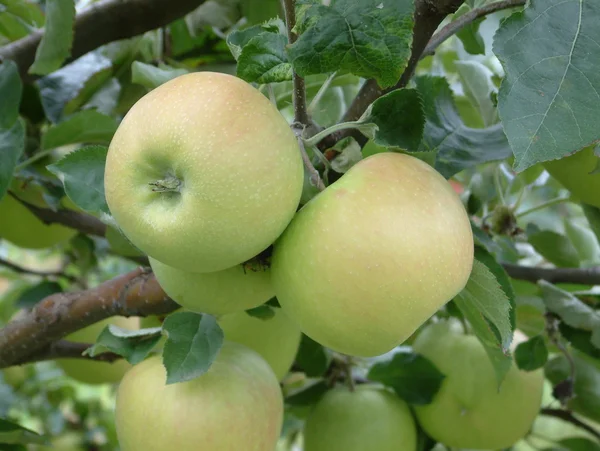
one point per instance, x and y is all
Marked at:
(103, 22)
(136, 293)
(63, 349)
(584, 276)
(568, 416)
(21, 270)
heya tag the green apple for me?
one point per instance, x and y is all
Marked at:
(469, 411)
(575, 174)
(216, 293)
(368, 418)
(236, 405)
(372, 257)
(15, 375)
(88, 371)
(203, 173)
(276, 339)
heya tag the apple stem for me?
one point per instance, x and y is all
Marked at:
(169, 183)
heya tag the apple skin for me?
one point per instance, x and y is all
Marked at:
(90, 372)
(372, 257)
(236, 405)
(468, 411)
(216, 293)
(370, 418)
(276, 339)
(573, 172)
(235, 157)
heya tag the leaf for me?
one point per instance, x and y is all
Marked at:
(549, 100)
(193, 342)
(370, 38)
(458, 146)
(413, 377)
(554, 247)
(576, 444)
(579, 339)
(593, 216)
(571, 310)
(264, 312)
(55, 46)
(395, 120)
(134, 345)
(13, 433)
(82, 173)
(19, 18)
(12, 143)
(484, 304)
(312, 357)
(87, 126)
(28, 298)
(11, 89)
(469, 34)
(263, 60)
(238, 39)
(308, 395)
(151, 76)
(477, 82)
(531, 354)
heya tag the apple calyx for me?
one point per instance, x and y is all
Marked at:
(169, 184)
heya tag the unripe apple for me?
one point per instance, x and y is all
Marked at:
(469, 411)
(236, 405)
(88, 371)
(575, 173)
(372, 257)
(276, 339)
(368, 418)
(203, 173)
(215, 293)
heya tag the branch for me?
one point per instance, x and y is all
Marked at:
(568, 416)
(103, 22)
(21, 270)
(136, 293)
(584, 276)
(63, 349)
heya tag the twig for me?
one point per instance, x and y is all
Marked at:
(584, 276)
(21, 270)
(549, 203)
(315, 178)
(456, 25)
(299, 97)
(568, 416)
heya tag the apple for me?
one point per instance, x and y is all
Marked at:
(575, 174)
(368, 418)
(469, 411)
(218, 293)
(203, 173)
(236, 405)
(276, 339)
(88, 371)
(368, 260)
(15, 375)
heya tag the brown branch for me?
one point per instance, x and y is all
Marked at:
(21, 270)
(584, 276)
(63, 349)
(103, 22)
(136, 293)
(568, 416)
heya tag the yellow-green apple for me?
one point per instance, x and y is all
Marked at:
(91, 372)
(469, 411)
(203, 173)
(216, 293)
(236, 405)
(276, 339)
(368, 418)
(372, 257)
(575, 173)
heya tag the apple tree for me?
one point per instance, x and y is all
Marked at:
(316, 225)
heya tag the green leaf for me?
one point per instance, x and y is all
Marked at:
(13, 433)
(308, 395)
(312, 357)
(264, 312)
(593, 216)
(55, 46)
(576, 444)
(238, 39)
(549, 101)
(12, 143)
(11, 89)
(82, 173)
(151, 76)
(263, 60)
(571, 310)
(531, 354)
(370, 38)
(476, 80)
(584, 242)
(469, 34)
(395, 120)
(19, 18)
(87, 126)
(458, 146)
(133, 345)
(579, 339)
(413, 377)
(554, 247)
(484, 304)
(193, 342)
(28, 298)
